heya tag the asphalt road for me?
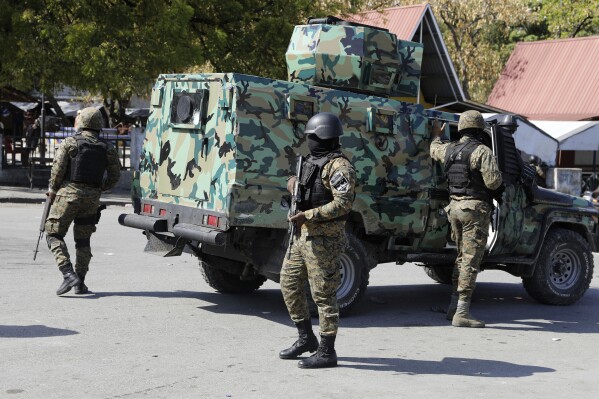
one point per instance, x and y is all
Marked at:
(154, 329)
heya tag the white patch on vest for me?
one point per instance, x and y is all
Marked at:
(340, 182)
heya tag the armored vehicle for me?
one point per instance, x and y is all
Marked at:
(219, 147)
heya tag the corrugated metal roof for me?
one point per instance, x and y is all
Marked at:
(403, 21)
(551, 80)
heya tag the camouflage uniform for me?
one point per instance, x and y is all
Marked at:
(469, 218)
(75, 202)
(315, 253)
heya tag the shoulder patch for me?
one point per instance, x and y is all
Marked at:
(340, 182)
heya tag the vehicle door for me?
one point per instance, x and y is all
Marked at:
(508, 216)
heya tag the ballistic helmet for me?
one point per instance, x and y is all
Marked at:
(471, 120)
(90, 119)
(324, 125)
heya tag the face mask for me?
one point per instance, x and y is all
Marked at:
(321, 147)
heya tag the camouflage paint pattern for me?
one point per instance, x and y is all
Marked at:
(64, 210)
(410, 55)
(76, 201)
(237, 163)
(354, 58)
(59, 181)
(469, 229)
(314, 259)
(318, 220)
(236, 158)
(481, 159)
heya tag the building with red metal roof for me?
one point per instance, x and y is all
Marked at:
(551, 80)
(440, 87)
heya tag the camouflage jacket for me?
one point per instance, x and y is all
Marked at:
(59, 182)
(338, 176)
(482, 159)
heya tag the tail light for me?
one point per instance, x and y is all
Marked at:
(148, 208)
(212, 220)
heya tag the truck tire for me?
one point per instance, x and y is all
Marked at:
(227, 283)
(564, 269)
(440, 273)
(355, 271)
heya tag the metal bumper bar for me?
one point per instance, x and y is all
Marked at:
(188, 231)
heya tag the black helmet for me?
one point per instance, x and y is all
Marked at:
(324, 125)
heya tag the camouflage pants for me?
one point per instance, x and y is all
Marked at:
(64, 210)
(314, 259)
(469, 229)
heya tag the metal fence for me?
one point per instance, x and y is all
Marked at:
(16, 154)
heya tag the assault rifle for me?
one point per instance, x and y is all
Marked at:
(296, 199)
(47, 205)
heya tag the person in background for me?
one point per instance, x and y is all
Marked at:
(76, 183)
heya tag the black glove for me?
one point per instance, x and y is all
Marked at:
(99, 212)
(497, 194)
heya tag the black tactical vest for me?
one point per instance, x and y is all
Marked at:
(313, 191)
(463, 180)
(89, 165)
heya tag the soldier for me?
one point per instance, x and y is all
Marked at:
(474, 180)
(327, 189)
(540, 168)
(76, 182)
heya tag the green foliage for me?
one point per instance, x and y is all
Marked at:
(570, 18)
(115, 48)
(251, 36)
(118, 47)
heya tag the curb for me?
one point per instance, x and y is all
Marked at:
(24, 200)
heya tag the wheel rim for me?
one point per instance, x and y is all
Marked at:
(565, 269)
(347, 276)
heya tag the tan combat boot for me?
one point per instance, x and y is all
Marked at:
(453, 306)
(462, 317)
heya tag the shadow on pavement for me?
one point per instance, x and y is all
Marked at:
(447, 366)
(504, 306)
(33, 331)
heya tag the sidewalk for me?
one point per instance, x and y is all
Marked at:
(24, 195)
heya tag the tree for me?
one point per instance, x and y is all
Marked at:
(110, 47)
(570, 18)
(477, 37)
(251, 36)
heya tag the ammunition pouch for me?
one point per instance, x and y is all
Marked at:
(91, 219)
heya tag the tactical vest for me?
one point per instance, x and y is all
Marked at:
(89, 165)
(313, 191)
(463, 181)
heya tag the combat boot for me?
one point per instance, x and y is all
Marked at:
(453, 305)
(324, 357)
(462, 317)
(306, 342)
(81, 288)
(70, 279)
